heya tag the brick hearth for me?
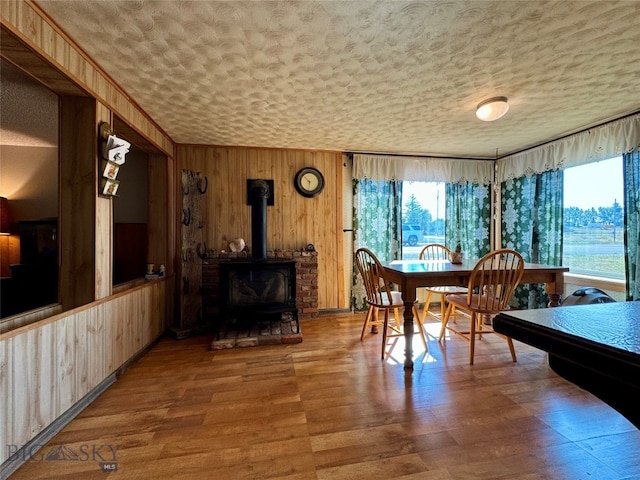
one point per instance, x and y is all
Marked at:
(277, 332)
(268, 332)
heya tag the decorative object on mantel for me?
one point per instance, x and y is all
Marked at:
(113, 153)
(456, 255)
(237, 245)
(310, 248)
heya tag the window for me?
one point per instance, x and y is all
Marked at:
(593, 223)
(423, 205)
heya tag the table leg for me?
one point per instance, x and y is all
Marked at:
(408, 329)
(555, 290)
(554, 300)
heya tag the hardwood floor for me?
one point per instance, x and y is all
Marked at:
(329, 409)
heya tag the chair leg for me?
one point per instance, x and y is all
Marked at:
(425, 310)
(445, 320)
(472, 337)
(397, 316)
(384, 332)
(420, 327)
(374, 320)
(367, 321)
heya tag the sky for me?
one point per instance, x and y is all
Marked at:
(429, 195)
(594, 185)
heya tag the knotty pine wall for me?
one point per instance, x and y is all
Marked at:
(46, 367)
(292, 222)
(50, 361)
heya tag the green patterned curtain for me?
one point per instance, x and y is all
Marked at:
(532, 225)
(377, 225)
(632, 223)
(468, 218)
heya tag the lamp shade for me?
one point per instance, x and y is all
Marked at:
(492, 109)
(4, 216)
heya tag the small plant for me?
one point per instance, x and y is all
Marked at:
(456, 255)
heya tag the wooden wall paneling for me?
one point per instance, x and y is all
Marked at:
(158, 219)
(278, 224)
(81, 351)
(45, 368)
(232, 214)
(129, 330)
(65, 357)
(340, 291)
(103, 248)
(78, 164)
(97, 366)
(17, 370)
(109, 334)
(170, 220)
(292, 223)
(103, 217)
(212, 165)
(121, 312)
(144, 309)
(286, 227)
(6, 407)
(38, 361)
(43, 378)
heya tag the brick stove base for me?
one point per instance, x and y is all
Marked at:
(267, 332)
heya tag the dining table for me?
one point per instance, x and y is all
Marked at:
(409, 275)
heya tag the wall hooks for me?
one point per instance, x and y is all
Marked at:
(202, 254)
(186, 216)
(206, 185)
(104, 131)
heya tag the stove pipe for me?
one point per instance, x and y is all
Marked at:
(259, 193)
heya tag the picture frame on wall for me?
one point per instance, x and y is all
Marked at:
(110, 187)
(111, 170)
(115, 149)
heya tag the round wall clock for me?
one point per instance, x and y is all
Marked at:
(309, 182)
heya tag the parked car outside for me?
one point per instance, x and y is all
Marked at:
(411, 234)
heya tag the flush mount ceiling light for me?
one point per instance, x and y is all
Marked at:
(492, 109)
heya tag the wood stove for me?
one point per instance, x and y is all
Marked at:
(251, 291)
(259, 288)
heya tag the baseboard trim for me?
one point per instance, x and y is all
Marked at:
(22, 455)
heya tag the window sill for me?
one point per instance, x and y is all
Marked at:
(614, 287)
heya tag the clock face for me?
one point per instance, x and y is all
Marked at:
(309, 182)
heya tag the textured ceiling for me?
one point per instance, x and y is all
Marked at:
(376, 76)
(29, 112)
